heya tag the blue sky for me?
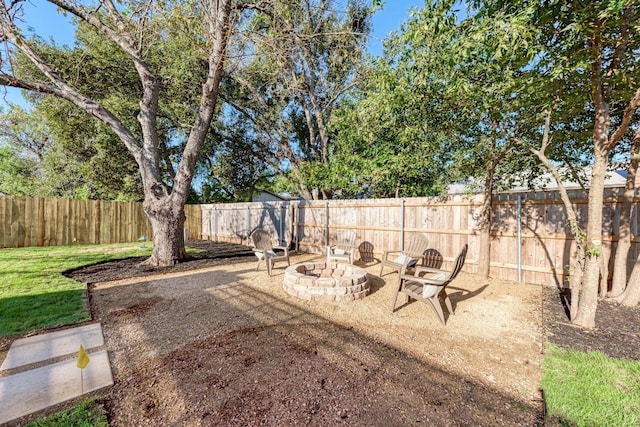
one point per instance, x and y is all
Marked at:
(44, 20)
(389, 19)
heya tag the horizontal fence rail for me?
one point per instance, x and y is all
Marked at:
(38, 221)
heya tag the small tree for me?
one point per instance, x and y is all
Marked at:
(602, 41)
(587, 57)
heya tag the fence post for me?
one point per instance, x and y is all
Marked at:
(215, 222)
(326, 223)
(248, 222)
(296, 225)
(282, 217)
(402, 224)
(519, 225)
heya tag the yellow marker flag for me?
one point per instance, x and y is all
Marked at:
(83, 358)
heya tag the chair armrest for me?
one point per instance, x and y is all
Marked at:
(284, 248)
(259, 253)
(423, 280)
(422, 269)
(385, 255)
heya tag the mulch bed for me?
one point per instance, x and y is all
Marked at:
(211, 254)
(616, 333)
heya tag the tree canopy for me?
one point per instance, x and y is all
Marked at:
(305, 57)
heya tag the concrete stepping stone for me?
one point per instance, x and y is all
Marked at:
(31, 391)
(39, 348)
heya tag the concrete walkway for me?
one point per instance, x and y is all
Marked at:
(43, 380)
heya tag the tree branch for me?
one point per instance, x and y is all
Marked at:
(60, 88)
(626, 120)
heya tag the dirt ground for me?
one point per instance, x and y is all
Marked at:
(212, 342)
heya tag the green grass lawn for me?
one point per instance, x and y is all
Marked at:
(591, 389)
(35, 295)
(89, 413)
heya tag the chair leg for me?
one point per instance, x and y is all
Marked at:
(258, 266)
(447, 301)
(269, 266)
(395, 297)
(435, 304)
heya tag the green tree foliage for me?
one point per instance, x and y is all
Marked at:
(304, 59)
(445, 88)
(234, 170)
(378, 152)
(65, 155)
(404, 124)
(137, 32)
(17, 173)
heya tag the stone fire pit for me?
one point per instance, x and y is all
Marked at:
(317, 281)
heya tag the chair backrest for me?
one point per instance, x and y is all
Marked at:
(345, 239)
(417, 245)
(433, 258)
(365, 249)
(459, 263)
(261, 239)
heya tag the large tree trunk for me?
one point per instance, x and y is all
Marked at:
(167, 220)
(588, 297)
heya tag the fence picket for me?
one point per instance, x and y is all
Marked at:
(37, 221)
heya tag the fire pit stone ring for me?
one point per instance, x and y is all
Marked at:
(319, 281)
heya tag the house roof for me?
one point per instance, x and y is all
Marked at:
(282, 196)
(546, 182)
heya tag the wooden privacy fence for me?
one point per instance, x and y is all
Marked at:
(530, 241)
(37, 221)
(234, 222)
(530, 238)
